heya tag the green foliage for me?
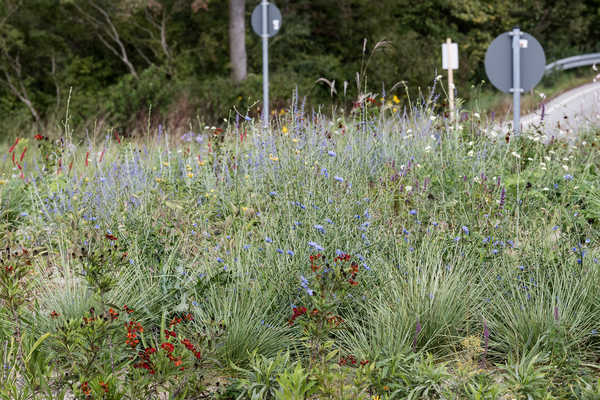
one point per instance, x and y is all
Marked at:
(294, 385)
(114, 61)
(260, 379)
(525, 377)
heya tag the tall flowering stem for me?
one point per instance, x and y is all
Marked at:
(324, 290)
(15, 288)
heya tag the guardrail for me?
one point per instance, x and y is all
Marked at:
(573, 62)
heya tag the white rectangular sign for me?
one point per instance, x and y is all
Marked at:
(450, 57)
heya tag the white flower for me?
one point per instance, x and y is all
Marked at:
(408, 188)
(565, 167)
(476, 115)
(470, 153)
(427, 149)
(515, 154)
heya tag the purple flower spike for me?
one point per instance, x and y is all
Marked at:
(556, 313)
(417, 331)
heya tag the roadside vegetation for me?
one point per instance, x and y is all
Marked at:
(384, 254)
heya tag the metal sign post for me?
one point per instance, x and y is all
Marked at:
(266, 22)
(450, 62)
(515, 63)
(516, 86)
(265, 50)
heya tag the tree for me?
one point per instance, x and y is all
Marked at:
(237, 40)
(101, 16)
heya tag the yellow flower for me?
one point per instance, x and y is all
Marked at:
(158, 180)
(166, 164)
(396, 99)
(201, 162)
(394, 109)
(273, 158)
(190, 175)
(87, 179)
(189, 167)
(284, 130)
(295, 140)
(3, 182)
(376, 397)
(282, 112)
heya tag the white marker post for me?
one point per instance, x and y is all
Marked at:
(450, 62)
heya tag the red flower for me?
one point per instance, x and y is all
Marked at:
(54, 314)
(364, 362)
(170, 333)
(168, 347)
(352, 282)
(13, 146)
(110, 237)
(104, 386)
(113, 314)
(38, 137)
(297, 312)
(85, 389)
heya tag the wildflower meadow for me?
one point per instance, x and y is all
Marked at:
(385, 252)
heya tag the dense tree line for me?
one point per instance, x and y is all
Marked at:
(120, 61)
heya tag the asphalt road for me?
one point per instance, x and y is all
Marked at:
(567, 114)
